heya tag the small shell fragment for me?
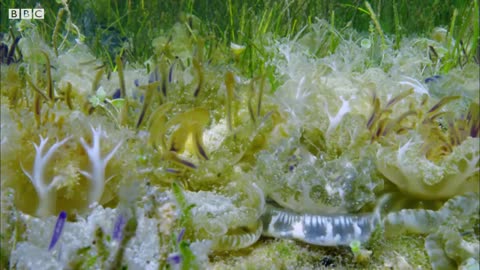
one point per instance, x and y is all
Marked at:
(236, 48)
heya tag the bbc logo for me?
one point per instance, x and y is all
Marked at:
(26, 13)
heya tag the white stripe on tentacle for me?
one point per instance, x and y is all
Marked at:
(322, 230)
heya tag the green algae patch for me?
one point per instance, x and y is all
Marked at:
(400, 252)
(280, 254)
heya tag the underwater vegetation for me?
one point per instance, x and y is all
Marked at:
(252, 142)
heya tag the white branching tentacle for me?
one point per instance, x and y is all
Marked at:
(98, 165)
(37, 177)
